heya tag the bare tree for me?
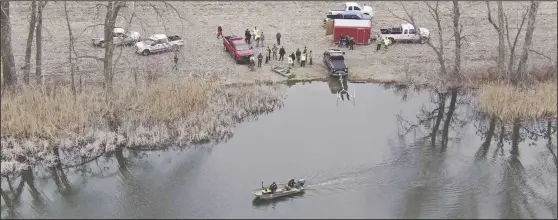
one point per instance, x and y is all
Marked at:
(501, 43)
(32, 23)
(457, 30)
(435, 13)
(70, 49)
(39, 42)
(512, 46)
(522, 66)
(8, 63)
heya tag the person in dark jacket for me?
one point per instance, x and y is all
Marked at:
(278, 36)
(219, 32)
(268, 54)
(248, 36)
(298, 53)
(273, 187)
(274, 50)
(304, 51)
(260, 58)
(351, 43)
(293, 56)
(282, 54)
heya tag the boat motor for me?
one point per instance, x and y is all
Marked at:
(301, 182)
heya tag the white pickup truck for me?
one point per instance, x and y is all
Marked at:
(120, 37)
(352, 6)
(405, 32)
(159, 43)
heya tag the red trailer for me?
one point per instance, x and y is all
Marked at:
(358, 29)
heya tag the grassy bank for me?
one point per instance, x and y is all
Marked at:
(155, 114)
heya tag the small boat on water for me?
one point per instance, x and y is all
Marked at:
(280, 190)
(283, 71)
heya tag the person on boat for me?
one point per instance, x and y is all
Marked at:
(273, 187)
(291, 183)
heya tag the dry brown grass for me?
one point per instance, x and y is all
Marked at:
(167, 111)
(508, 102)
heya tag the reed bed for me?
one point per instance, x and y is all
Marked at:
(154, 115)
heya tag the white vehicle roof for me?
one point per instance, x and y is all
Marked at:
(119, 30)
(407, 26)
(352, 23)
(158, 36)
(351, 4)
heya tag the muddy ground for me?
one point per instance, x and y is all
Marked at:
(300, 24)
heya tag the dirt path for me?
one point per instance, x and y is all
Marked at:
(300, 24)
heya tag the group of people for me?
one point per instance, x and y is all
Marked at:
(347, 40)
(300, 57)
(382, 41)
(258, 37)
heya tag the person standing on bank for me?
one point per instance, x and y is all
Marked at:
(260, 58)
(219, 32)
(278, 36)
(378, 42)
(310, 57)
(274, 50)
(268, 57)
(298, 55)
(262, 38)
(282, 54)
(248, 36)
(303, 60)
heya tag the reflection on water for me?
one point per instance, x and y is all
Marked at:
(403, 153)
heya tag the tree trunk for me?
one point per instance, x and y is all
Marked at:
(522, 66)
(38, 41)
(6, 198)
(483, 150)
(8, 63)
(457, 35)
(108, 72)
(515, 137)
(70, 49)
(441, 111)
(501, 42)
(447, 122)
(32, 23)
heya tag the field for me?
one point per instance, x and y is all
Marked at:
(300, 24)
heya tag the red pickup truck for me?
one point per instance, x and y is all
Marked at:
(238, 48)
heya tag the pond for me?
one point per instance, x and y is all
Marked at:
(368, 157)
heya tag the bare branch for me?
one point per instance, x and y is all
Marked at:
(545, 56)
(90, 26)
(89, 57)
(490, 17)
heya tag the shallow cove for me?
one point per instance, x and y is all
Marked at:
(355, 158)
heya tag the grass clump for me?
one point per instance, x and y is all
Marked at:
(509, 102)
